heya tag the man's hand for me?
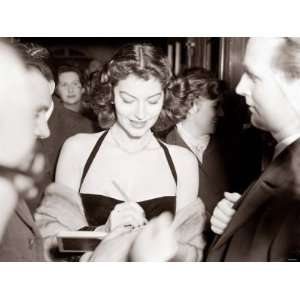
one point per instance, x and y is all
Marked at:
(223, 212)
(114, 248)
(156, 241)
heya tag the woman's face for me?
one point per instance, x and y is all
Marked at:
(138, 103)
(69, 87)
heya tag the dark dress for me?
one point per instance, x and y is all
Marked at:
(98, 207)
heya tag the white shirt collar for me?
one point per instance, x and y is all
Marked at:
(198, 146)
(282, 145)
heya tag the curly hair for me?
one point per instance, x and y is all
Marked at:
(144, 61)
(199, 82)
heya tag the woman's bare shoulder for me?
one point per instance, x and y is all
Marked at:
(82, 141)
(181, 155)
(186, 166)
(75, 152)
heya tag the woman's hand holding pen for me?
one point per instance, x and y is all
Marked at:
(127, 214)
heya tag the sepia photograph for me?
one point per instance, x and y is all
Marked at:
(142, 149)
(138, 147)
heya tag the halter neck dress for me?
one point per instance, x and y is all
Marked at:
(98, 207)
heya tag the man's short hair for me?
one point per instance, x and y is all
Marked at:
(287, 57)
(37, 57)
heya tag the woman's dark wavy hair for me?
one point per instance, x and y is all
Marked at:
(143, 61)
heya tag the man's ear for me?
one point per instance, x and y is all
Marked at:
(194, 109)
(52, 86)
(291, 89)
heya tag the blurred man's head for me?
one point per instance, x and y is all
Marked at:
(17, 109)
(20, 106)
(271, 84)
(69, 85)
(42, 83)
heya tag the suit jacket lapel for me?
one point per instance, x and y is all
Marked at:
(254, 197)
(179, 140)
(212, 161)
(24, 213)
(280, 177)
(250, 200)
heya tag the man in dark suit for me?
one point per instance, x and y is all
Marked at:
(17, 109)
(197, 133)
(21, 240)
(263, 224)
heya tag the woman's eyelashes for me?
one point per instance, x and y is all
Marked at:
(127, 98)
(151, 100)
(154, 99)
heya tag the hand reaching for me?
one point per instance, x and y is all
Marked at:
(156, 241)
(223, 212)
(114, 248)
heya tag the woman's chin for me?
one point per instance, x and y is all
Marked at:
(137, 133)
